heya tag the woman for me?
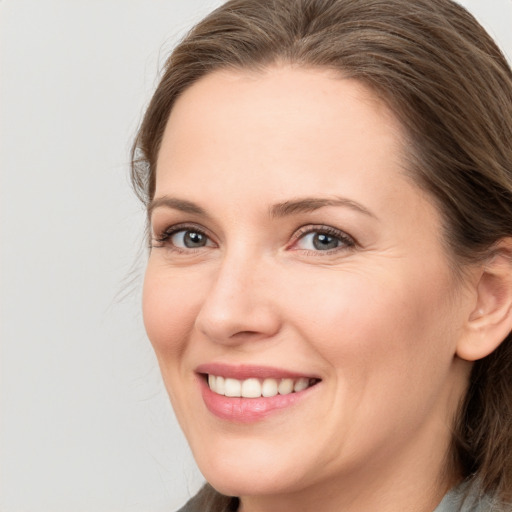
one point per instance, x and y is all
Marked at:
(329, 286)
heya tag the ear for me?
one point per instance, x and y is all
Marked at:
(490, 321)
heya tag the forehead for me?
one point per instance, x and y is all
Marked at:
(282, 128)
(305, 98)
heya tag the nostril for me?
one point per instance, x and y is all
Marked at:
(247, 335)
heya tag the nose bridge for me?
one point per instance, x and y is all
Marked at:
(239, 301)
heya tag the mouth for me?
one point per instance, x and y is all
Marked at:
(254, 387)
(248, 394)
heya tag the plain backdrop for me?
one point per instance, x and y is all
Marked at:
(85, 422)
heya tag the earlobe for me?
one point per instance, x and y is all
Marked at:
(490, 321)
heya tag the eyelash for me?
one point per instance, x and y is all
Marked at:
(163, 239)
(347, 242)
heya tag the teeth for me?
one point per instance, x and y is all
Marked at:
(285, 386)
(251, 388)
(220, 385)
(232, 387)
(254, 388)
(269, 387)
(299, 385)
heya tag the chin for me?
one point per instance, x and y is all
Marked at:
(252, 483)
(250, 472)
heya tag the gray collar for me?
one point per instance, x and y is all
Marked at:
(467, 497)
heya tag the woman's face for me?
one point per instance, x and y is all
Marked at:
(291, 251)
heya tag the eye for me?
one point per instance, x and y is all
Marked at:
(189, 239)
(180, 238)
(323, 239)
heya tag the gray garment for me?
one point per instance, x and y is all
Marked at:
(466, 498)
(463, 498)
(190, 506)
(197, 503)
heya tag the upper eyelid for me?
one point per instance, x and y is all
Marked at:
(163, 236)
(169, 230)
(180, 226)
(313, 228)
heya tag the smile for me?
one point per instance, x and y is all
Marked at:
(248, 394)
(256, 388)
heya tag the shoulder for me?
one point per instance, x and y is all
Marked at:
(467, 497)
(209, 500)
(191, 506)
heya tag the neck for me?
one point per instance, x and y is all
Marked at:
(387, 483)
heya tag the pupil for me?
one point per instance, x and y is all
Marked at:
(324, 242)
(194, 239)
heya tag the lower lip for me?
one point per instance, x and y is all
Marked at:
(247, 410)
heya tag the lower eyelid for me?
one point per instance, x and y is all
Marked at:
(165, 239)
(346, 241)
(342, 244)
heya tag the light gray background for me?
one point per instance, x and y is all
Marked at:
(85, 423)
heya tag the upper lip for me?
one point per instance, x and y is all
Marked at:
(247, 371)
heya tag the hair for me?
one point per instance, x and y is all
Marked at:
(449, 85)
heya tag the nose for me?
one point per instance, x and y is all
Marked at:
(240, 305)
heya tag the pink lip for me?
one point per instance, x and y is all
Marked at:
(247, 410)
(242, 372)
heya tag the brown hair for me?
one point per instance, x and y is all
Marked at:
(450, 86)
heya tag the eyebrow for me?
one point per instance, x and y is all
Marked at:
(284, 209)
(310, 204)
(176, 204)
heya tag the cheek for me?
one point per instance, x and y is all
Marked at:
(388, 350)
(382, 326)
(170, 306)
(168, 311)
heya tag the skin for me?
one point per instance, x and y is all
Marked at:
(378, 320)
